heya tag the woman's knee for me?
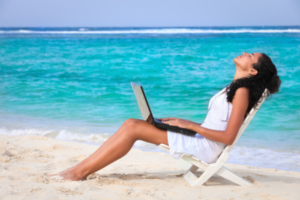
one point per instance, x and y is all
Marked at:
(133, 122)
(131, 125)
(129, 121)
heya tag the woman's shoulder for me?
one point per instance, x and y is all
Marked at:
(241, 95)
(242, 91)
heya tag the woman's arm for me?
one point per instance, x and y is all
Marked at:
(239, 107)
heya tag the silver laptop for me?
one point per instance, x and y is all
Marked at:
(147, 114)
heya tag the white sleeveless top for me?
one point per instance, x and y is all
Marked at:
(202, 148)
(219, 112)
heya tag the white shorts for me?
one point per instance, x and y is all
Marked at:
(202, 148)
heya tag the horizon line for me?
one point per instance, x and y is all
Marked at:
(256, 26)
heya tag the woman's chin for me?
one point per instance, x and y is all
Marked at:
(235, 60)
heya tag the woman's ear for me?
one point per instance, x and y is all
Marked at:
(253, 72)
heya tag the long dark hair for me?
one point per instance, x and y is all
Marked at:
(266, 77)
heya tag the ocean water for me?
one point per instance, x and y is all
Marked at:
(74, 83)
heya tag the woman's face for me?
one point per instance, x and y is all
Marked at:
(245, 61)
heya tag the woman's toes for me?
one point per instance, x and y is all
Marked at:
(52, 175)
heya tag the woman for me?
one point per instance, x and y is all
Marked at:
(227, 110)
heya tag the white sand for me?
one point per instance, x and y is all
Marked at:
(25, 162)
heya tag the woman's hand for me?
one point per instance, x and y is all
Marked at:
(182, 123)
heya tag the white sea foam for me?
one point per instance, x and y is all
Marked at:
(63, 134)
(154, 31)
(29, 131)
(258, 157)
(80, 137)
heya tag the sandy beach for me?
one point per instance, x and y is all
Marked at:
(26, 161)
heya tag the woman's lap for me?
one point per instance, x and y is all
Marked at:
(200, 147)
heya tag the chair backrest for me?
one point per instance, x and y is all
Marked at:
(225, 154)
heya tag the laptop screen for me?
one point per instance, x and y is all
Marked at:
(142, 102)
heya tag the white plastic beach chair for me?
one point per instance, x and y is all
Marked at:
(217, 167)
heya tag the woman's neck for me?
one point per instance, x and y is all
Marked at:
(238, 75)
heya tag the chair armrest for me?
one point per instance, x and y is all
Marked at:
(164, 147)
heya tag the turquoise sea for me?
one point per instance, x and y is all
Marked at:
(74, 83)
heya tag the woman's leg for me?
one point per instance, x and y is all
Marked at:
(116, 147)
(107, 142)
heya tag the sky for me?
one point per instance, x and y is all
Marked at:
(148, 13)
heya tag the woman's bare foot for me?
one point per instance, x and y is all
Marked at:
(70, 174)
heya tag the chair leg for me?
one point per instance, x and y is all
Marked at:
(229, 175)
(193, 180)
